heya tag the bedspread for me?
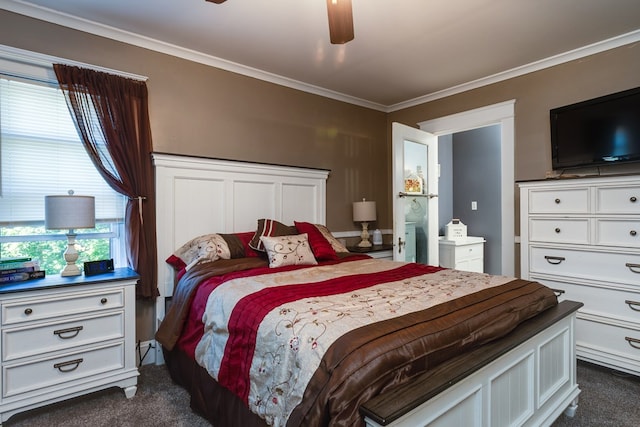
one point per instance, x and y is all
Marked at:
(306, 346)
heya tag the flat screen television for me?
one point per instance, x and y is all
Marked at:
(600, 131)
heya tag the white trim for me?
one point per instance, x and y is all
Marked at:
(146, 349)
(95, 28)
(502, 113)
(15, 62)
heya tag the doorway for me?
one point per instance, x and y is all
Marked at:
(501, 114)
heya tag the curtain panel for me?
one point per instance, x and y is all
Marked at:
(111, 115)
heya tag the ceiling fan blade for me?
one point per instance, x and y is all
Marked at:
(216, 1)
(340, 21)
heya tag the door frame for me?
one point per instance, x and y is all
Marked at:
(502, 113)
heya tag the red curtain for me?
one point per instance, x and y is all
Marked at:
(112, 118)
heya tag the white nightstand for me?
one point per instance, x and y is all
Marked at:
(464, 254)
(63, 337)
(375, 251)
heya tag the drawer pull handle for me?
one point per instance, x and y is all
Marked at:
(28, 311)
(557, 229)
(633, 342)
(557, 201)
(632, 266)
(558, 292)
(633, 304)
(634, 233)
(555, 260)
(69, 366)
(633, 199)
(63, 333)
(103, 301)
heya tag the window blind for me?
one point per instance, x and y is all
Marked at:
(41, 154)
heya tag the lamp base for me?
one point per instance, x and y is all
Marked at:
(71, 256)
(70, 270)
(365, 243)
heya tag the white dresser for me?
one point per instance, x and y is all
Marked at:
(63, 337)
(465, 254)
(582, 237)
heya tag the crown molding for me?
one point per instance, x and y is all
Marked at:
(66, 20)
(91, 27)
(601, 46)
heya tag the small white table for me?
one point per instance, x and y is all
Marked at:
(462, 254)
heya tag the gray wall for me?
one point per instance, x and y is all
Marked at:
(476, 177)
(470, 171)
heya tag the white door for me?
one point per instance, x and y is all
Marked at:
(415, 195)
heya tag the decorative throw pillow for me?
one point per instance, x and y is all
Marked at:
(321, 248)
(208, 247)
(239, 245)
(288, 250)
(335, 243)
(270, 228)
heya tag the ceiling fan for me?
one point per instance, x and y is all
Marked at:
(340, 20)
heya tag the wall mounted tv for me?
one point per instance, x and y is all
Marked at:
(600, 131)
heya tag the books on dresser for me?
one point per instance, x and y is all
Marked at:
(19, 270)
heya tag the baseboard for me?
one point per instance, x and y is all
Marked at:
(145, 352)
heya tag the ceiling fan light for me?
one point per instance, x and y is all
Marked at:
(340, 21)
(216, 1)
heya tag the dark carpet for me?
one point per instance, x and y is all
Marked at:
(608, 398)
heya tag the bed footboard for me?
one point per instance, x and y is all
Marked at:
(526, 378)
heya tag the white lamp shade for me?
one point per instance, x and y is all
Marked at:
(364, 211)
(69, 212)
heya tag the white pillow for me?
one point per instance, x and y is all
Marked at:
(288, 250)
(207, 248)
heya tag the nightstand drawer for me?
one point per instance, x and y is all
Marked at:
(62, 305)
(615, 232)
(23, 342)
(559, 230)
(574, 200)
(618, 200)
(469, 252)
(37, 375)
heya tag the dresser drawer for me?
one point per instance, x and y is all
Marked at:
(593, 265)
(618, 232)
(559, 230)
(574, 200)
(61, 305)
(608, 302)
(37, 375)
(618, 200)
(610, 339)
(29, 341)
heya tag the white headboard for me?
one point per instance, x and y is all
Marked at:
(196, 196)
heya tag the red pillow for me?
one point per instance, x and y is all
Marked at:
(320, 246)
(245, 238)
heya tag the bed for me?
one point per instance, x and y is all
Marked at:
(274, 323)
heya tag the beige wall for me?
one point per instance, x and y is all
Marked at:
(200, 110)
(535, 94)
(204, 111)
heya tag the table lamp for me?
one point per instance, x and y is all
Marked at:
(364, 212)
(69, 212)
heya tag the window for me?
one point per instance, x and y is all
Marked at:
(41, 154)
